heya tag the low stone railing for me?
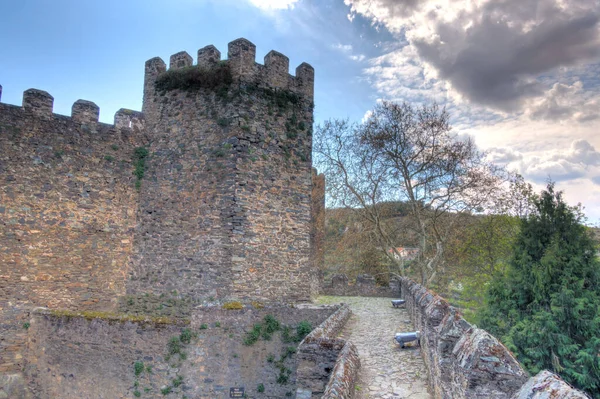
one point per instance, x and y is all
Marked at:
(464, 361)
(364, 285)
(327, 366)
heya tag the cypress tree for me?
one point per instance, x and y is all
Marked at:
(545, 308)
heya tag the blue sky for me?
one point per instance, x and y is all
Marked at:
(520, 76)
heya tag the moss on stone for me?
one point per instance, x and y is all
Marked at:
(234, 305)
(108, 316)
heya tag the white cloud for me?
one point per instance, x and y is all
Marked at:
(344, 48)
(347, 49)
(489, 52)
(565, 102)
(274, 4)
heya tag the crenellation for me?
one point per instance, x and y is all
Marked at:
(38, 102)
(85, 112)
(242, 58)
(277, 69)
(129, 119)
(208, 56)
(180, 60)
(305, 79)
(155, 66)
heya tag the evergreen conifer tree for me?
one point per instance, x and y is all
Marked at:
(546, 307)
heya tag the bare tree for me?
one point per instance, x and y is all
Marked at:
(402, 153)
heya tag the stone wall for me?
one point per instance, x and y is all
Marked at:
(67, 212)
(464, 361)
(220, 207)
(317, 224)
(327, 366)
(364, 285)
(72, 356)
(225, 209)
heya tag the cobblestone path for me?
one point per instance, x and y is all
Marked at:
(386, 370)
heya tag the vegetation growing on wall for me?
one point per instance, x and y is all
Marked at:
(194, 78)
(139, 164)
(90, 315)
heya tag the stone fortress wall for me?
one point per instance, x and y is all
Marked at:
(67, 211)
(221, 210)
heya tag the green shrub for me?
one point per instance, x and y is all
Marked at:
(271, 324)
(178, 381)
(194, 78)
(139, 162)
(260, 388)
(302, 330)
(186, 336)
(219, 153)
(137, 393)
(290, 350)
(109, 158)
(203, 326)
(138, 368)
(166, 390)
(174, 346)
(253, 335)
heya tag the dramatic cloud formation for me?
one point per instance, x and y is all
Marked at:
(491, 52)
(520, 76)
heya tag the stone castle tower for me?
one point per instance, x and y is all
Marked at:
(205, 194)
(225, 203)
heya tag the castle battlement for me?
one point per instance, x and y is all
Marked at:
(40, 104)
(206, 193)
(241, 58)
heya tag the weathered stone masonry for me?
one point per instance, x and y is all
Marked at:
(67, 212)
(223, 209)
(465, 362)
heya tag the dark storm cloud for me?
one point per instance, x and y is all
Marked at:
(494, 53)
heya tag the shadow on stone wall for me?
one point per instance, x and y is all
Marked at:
(365, 285)
(327, 366)
(464, 361)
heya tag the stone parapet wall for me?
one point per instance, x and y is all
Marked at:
(364, 285)
(464, 361)
(72, 355)
(343, 379)
(327, 366)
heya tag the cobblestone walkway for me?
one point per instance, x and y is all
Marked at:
(386, 370)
